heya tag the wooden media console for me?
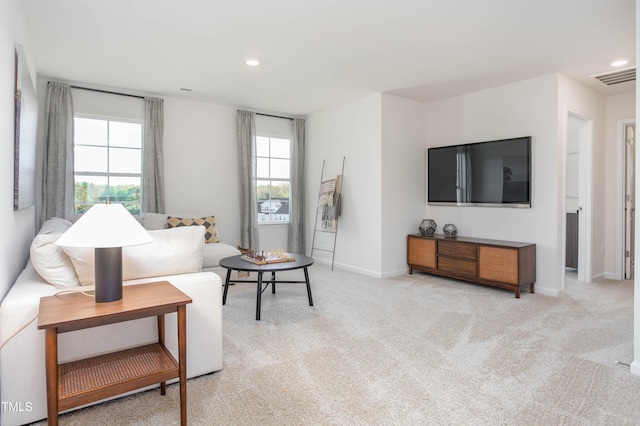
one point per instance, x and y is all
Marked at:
(504, 264)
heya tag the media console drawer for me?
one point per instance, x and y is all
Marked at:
(505, 264)
(457, 249)
(457, 266)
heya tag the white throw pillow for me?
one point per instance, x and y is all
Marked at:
(48, 259)
(173, 251)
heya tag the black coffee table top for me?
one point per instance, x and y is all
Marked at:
(238, 264)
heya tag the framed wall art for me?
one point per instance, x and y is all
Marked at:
(26, 123)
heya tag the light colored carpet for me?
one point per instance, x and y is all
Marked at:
(415, 349)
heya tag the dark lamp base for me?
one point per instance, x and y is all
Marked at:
(108, 272)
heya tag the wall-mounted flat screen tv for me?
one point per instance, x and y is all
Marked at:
(492, 173)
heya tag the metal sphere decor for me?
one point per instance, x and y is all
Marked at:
(450, 230)
(428, 227)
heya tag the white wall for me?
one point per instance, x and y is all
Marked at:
(18, 226)
(619, 107)
(201, 163)
(403, 183)
(526, 108)
(353, 131)
(107, 104)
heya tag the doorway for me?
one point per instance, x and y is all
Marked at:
(578, 197)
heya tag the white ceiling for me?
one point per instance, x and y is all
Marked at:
(317, 54)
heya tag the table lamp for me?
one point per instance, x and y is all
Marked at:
(106, 228)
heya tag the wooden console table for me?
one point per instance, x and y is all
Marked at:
(505, 264)
(79, 382)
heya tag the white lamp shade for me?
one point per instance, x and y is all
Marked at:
(103, 226)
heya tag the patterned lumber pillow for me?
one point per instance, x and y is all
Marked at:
(209, 223)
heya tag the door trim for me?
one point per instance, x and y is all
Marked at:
(620, 201)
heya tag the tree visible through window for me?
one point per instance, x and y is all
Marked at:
(273, 179)
(107, 163)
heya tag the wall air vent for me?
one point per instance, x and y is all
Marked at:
(616, 77)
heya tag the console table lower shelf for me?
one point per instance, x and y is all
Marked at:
(504, 264)
(80, 382)
(103, 376)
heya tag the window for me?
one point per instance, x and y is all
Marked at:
(273, 179)
(107, 162)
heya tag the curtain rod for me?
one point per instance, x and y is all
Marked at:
(274, 116)
(107, 91)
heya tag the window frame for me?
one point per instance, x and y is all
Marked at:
(257, 178)
(109, 174)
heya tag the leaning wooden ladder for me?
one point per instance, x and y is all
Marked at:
(327, 214)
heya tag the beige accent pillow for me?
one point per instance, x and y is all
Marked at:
(173, 251)
(209, 223)
(48, 259)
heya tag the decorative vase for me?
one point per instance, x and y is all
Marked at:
(450, 230)
(428, 227)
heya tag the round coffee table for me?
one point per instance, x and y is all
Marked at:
(236, 263)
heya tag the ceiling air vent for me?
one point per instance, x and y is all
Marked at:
(616, 77)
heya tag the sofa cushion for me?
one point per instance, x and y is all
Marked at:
(212, 253)
(209, 223)
(173, 251)
(48, 259)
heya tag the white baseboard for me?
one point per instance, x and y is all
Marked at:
(349, 268)
(549, 291)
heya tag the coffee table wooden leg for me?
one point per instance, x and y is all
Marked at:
(51, 356)
(182, 361)
(259, 296)
(226, 287)
(306, 278)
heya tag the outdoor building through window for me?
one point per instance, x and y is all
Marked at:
(273, 179)
(107, 162)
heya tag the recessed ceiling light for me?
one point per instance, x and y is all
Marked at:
(252, 62)
(619, 63)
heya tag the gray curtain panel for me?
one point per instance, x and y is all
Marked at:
(57, 174)
(248, 199)
(295, 238)
(153, 161)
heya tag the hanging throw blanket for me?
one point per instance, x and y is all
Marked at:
(330, 202)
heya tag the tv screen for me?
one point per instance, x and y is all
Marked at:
(492, 173)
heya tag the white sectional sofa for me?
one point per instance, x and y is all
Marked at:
(175, 255)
